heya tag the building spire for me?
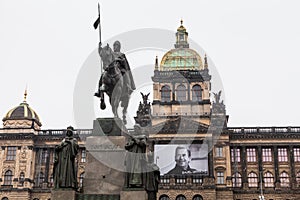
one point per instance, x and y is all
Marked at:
(205, 62)
(156, 63)
(25, 95)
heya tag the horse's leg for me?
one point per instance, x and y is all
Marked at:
(124, 104)
(102, 102)
(98, 93)
(114, 106)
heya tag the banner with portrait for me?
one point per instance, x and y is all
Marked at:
(179, 159)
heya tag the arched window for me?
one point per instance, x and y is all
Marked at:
(284, 179)
(252, 179)
(164, 197)
(269, 179)
(81, 177)
(181, 93)
(197, 197)
(180, 197)
(8, 177)
(165, 93)
(196, 93)
(237, 180)
(4, 198)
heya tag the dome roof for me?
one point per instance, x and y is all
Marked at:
(21, 112)
(181, 59)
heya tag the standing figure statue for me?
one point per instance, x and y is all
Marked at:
(135, 159)
(116, 80)
(64, 171)
(152, 180)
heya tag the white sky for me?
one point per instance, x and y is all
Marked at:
(253, 44)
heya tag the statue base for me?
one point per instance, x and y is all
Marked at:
(63, 194)
(133, 194)
(104, 172)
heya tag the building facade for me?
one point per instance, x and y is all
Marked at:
(218, 162)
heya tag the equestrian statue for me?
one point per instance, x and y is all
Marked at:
(116, 78)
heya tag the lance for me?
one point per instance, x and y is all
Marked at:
(96, 24)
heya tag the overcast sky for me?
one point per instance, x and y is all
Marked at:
(254, 46)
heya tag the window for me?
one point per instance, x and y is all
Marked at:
(197, 180)
(81, 177)
(251, 155)
(219, 151)
(269, 179)
(8, 177)
(180, 180)
(11, 153)
(282, 155)
(181, 93)
(44, 156)
(164, 180)
(51, 180)
(252, 179)
(297, 154)
(196, 93)
(298, 178)
(220, 177)
(237, 180)
(83, 155)
(22, 178)
(40, 178)
(165, 93)
(197, 197)
(4, 198)
(235, 155)
(164, 197)
(284, 179)
(267, 155)
(180, 197)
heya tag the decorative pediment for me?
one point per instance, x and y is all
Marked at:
(179, 124)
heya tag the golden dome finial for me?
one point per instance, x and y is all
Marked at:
(25, 95)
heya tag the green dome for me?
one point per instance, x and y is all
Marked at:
(181, 59)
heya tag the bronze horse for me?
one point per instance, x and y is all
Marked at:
(111, 83)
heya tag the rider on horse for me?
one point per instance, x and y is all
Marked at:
(124, 68)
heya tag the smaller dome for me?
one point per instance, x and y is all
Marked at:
(21, 116)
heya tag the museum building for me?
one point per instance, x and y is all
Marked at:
(238, 163)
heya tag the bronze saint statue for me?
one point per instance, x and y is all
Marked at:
(64, 172)
(135, 158)
(152, 180)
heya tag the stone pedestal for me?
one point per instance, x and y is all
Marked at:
(63, 194)
(104, 172)
(134, 194)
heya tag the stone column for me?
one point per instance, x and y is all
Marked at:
(292, 174)
(244, 168)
